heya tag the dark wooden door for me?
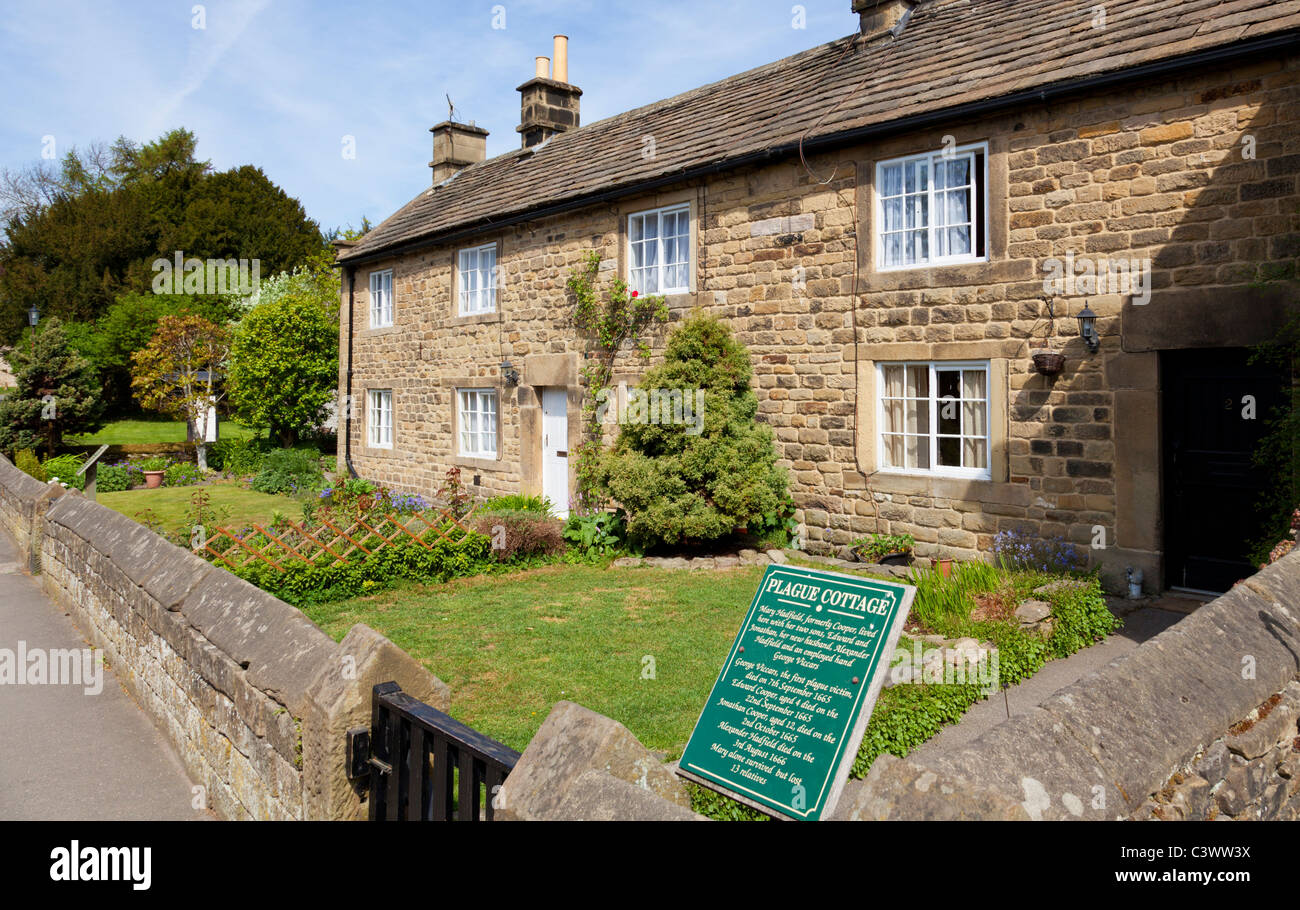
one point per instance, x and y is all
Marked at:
(1212, 490)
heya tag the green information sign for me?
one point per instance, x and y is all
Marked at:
(783, 723)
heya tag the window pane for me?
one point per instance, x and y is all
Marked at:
(918, 382)
(973, 419)
(894, 249)
(918, 416)
(918, 211)
(974, 384)
(957, 209)
(950, 452)
(894, 452)
(949, 383)
(975, 454)
(636, 228)
(893, 416)
(893, 209)
(955, 241)
(918, 451)
(891, 180)
(893, 381)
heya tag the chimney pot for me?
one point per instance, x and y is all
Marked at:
(543, 68)
(562, 58)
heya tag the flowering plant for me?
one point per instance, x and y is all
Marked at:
(1018, 549)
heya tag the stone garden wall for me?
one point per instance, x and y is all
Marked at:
(254, 697)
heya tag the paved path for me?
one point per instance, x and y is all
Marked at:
(1140, 625)
(66, 754)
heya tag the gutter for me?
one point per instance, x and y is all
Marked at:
(1206, 58)
(347, 429)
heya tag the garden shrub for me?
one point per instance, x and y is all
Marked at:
(518, 502)
(65, 468)
(289, 471)
(182, 474)
(520, 533)
(112, 478)
(27, 462)
(692, 482)
(240, 457)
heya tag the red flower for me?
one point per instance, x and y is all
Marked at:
(634, 293)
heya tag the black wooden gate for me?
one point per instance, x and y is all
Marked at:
(1212, 489)
(424, 765)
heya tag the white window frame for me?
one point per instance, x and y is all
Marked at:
(979, 215)
(482, 298)
(463, 402)
(935, 469)
(633, 272)
(379, 405)
(381, 299)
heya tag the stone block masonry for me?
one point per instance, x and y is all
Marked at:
(255, 698)
(1156, 172)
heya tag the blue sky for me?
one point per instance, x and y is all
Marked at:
(280, 83)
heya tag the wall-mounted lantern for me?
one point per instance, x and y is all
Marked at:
(509, 373)
(1088, 329)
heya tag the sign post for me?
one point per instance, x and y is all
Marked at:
(90, 468)
(782, 726)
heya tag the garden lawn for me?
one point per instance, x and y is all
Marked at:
(171, 505)
(143, 432)
(512, 646)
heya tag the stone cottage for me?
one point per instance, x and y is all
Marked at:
(895, 224)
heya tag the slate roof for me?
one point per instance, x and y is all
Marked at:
(952, 52)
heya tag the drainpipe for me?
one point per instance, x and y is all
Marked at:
(347, 417)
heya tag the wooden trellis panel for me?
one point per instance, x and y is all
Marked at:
(340, 541)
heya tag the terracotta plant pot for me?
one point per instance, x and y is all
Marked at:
(1049, 363)
(153, 479)
(945, 568)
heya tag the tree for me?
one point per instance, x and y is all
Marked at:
(128, 325)
(57, 392)
(689, 481)
(285, 360)
(180, 372)
(77, 240)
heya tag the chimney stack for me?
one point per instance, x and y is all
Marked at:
(876, 17)
(455, 147)
(549, 105)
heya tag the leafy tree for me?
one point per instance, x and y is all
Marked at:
(57, 392)
(687, 482)
(128, 325)
(180, 372)
(285, 360)
(77, 240)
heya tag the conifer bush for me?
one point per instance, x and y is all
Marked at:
(688, 482)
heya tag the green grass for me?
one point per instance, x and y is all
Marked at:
(512, 646)
(171, 505)
(143, 432)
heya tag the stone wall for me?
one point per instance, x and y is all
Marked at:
(254, 697)
(1158, 170)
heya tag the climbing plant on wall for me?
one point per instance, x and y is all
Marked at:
(617, 320)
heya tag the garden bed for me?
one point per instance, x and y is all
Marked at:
(511, 646)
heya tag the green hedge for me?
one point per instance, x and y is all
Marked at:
(305, 583)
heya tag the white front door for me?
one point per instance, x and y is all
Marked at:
(555, 449)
